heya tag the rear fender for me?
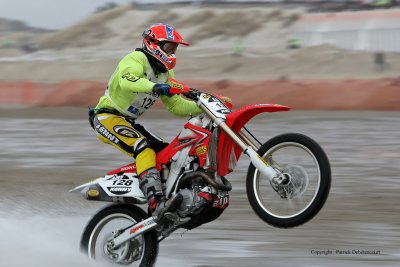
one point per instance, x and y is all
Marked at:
(130, 168)
(109, 187)
(236, 120)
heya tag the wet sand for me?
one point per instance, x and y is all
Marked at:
(45, 152)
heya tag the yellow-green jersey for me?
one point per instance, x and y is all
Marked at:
(130, 89)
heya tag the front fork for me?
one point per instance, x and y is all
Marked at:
(247, 146)
(250, 149)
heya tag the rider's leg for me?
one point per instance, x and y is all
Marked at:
(150, 180)
(150, 177)
(118, 132)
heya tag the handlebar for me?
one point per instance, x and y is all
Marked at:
(192, 94)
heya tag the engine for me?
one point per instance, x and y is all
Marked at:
(202, 204)
(192, 203)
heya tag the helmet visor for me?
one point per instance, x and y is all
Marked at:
(170, 47)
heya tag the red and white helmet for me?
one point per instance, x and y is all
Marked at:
(161, 41)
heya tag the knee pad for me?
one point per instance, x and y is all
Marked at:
(140, 146)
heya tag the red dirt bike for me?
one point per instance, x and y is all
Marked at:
(288, 182)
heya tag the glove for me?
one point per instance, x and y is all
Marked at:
(177, 87)
(162, 89)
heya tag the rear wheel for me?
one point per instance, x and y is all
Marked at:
(299, 193)
(141, 251)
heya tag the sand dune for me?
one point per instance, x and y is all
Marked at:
(90, 50)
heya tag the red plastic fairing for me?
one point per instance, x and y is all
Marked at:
(201, 147)
(127, 168)
(236, 120)
(199, 139)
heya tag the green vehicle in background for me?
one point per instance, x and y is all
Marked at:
(294, 43)
(382, 4)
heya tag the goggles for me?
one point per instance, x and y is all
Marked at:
(169, 47)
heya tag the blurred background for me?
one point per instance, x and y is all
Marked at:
(289, 47)
(336, 63)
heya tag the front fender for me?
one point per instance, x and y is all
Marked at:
(236, 120)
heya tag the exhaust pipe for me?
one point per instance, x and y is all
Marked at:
(224, 186)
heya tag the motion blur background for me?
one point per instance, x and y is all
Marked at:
(344, 52)
(336, 63)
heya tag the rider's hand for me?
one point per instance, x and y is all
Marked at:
(171, 88)
(162, 89)
(177, 86)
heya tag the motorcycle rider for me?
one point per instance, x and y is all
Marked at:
(140, 78)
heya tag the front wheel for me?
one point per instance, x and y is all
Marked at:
(141, 251)
(299, 193)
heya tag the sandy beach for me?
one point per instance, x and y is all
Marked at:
(46, 152)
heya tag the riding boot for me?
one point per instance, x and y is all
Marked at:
(151, 188)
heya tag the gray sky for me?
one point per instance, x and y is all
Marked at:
(51, 14)
(58, 14)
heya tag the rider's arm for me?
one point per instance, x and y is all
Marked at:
(130, 69)
(179, 106)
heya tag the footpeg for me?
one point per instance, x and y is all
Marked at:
(170, 206)
(170, 216)
(174, 203)
(175, 218)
